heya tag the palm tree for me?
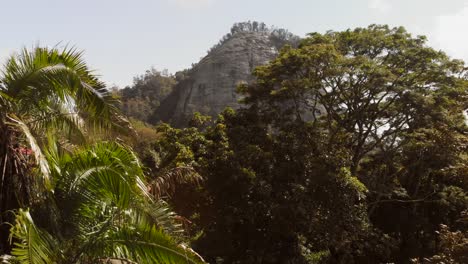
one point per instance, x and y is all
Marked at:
(100, 210)
(73, 203)
(44, 93)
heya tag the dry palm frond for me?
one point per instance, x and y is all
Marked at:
(165, 183)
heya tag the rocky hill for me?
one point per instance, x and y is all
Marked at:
(210, 86)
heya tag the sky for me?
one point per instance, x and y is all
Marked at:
(123, 38)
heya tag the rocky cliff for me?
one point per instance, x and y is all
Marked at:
(210, 86)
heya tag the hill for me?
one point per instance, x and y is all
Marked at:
(210, 85)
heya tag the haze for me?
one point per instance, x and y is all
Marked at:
(122, 39)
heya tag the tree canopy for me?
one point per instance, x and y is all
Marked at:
(145, 95)
(351, 149)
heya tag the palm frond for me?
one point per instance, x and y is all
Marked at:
(108, 169)
(96, 178)
(60, 118)
(142, 243)
(31, 244)
(167, 180)
(36, 78)
(36, 149)
(159, 214)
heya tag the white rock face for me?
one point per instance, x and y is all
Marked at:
(212, 84)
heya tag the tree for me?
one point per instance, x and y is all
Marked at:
(45, 93)
(392, 108)
(145, 95)
(370, 83)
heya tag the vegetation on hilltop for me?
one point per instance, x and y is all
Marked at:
(279, 36)
(146, 94)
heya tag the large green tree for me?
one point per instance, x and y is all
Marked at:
(392, 107)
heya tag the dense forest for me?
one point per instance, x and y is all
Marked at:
(350, 147)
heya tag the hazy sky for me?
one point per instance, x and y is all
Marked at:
(122, 39)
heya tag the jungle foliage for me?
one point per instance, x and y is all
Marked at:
(351, 147)
(68, 194)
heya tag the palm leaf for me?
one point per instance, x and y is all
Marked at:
(36, 149)
(141, 242)
(31, 245)
(159, 214)
(44, 76)
(167, 180)
(107, 171)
